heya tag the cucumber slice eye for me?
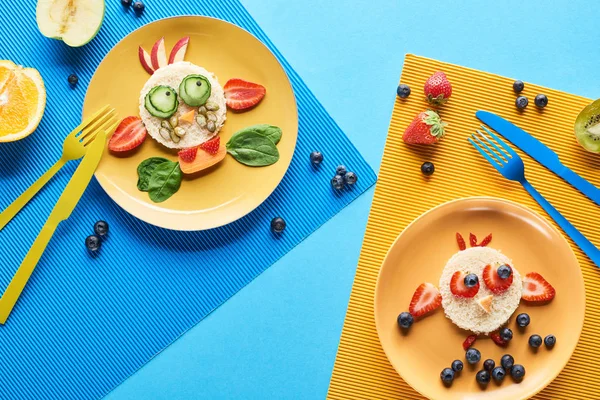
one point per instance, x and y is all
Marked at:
(195, 90)
(161, 101)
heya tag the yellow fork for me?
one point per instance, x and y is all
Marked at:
(74, 147)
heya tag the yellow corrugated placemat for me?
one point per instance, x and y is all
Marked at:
(361, 369)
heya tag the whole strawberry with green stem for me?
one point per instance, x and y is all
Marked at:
(426, 128)
(438, 88)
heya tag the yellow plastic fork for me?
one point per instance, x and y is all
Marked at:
(74, 147)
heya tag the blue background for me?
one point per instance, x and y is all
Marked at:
(278, 337)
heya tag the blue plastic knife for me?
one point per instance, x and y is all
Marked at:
(539, 152)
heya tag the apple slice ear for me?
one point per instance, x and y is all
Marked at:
(145, 60)
(178, 51)
(159, 54)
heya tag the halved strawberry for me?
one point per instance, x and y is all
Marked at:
(469, 341)
(495, 336)
(496, 284)
(536, 288)
(188, 155)
(212, 146)
(458, 287)
(130, 133)
(426, 299)
(461, 241)
(242, 95)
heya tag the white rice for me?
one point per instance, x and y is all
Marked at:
(467, 313)
(172, 75)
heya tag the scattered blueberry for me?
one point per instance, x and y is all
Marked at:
(405, 320)
(517, 372)
(535, 341)
(73, 79)
(550, 341)
(93, 243)
(506, 334)
(489, 364)
(457, 365)
(447, 375)
(427, 168)
(101, 228)
(498, 374)
(523, 320)
(507, 361)
(518, 86)
(541, 100)
(483, 377)
(473, 356)
(278, 225)
(316, 157)
(521, 102)
(471, 280)
(504, 271)
(337, 182)
(126, 3)
(403, 91)
(340, 170)
(139, 7)
(350, 178)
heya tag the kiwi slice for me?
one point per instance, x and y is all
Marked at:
(195, 90)
(587, 127)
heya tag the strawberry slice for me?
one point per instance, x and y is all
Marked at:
(426, 299)
(536, 288)
(472, 240)
(469, 341)
(461, 241)
(493, 281)
(241, 95)
(486, 240)
(458, 287)
(188, 155)
(130, 133)
(495, 336)
(212, 146)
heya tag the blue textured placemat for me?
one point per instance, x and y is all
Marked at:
(84, 324)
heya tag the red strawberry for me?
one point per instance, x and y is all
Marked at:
(130, 133)
(458, 288)
(426, 128)
(242, 95)
(188, 155)
(496, 284)
(438, 88)
(461, 242)
(536, 288)
(426, 299)
(495, 336)
(469, 341)
(472, 240)
(486, 240)
(212, 146)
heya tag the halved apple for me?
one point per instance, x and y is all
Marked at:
(178, 51)
(75, 22)
(145, 60)
(158, 55)
(202, 161)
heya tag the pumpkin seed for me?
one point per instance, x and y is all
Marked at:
(211, 116)
(174, 137)
(174, 121)
(211, 126)
(211, 106)
(201, 120)
(165, 133)
(180, 131)
(202, 110)
(165, 124)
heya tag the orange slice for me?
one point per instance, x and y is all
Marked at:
(22, 101)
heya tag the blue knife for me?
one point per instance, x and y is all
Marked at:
(539, 152)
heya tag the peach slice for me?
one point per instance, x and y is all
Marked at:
(145, 60)
(178, 51)
(158, 55)
(202, 161)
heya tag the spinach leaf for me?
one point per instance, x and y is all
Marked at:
(145, 170)
(272, 132)
(165, 181)
(253, 149)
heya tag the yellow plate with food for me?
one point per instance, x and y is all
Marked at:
(209, 122)
(479, 298)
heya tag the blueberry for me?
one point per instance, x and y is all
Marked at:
(447, 375)
(518, 86)
(521, 102)
(73, 79)
(350, 178)
(483, 377)
(126, 3)
(337, 182)
(506, 334)
(340, 170)
(278, 225)
(504, 271)
(523, 320)
(473, 356)
(507, 361)
(93, 243)
(535, 341)
(316, 157)
(517, 372)
(550, 341)
(541, 100)
(471, 280)
(139, 7)
(405, 320)
(427, 168)
(498, 374)
(457, 365)
(489, 364)
(101, 228)
(403, 91)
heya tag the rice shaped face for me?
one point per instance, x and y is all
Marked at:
(172, 76)
(467, 313)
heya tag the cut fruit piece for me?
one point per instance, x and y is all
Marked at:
(75, 22)
(188, 155)
(203, 160)
(458, 287)
(22, 101)
(425, 299)
(179, 50)
(493, 281)
(212, 146)
(195, 90)
(188, 117)
(469, 341)
(486, 303)
(130, 133)
(495, 336)
(145, 60)
(242, 95)
(536, 288)
(158, 55)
